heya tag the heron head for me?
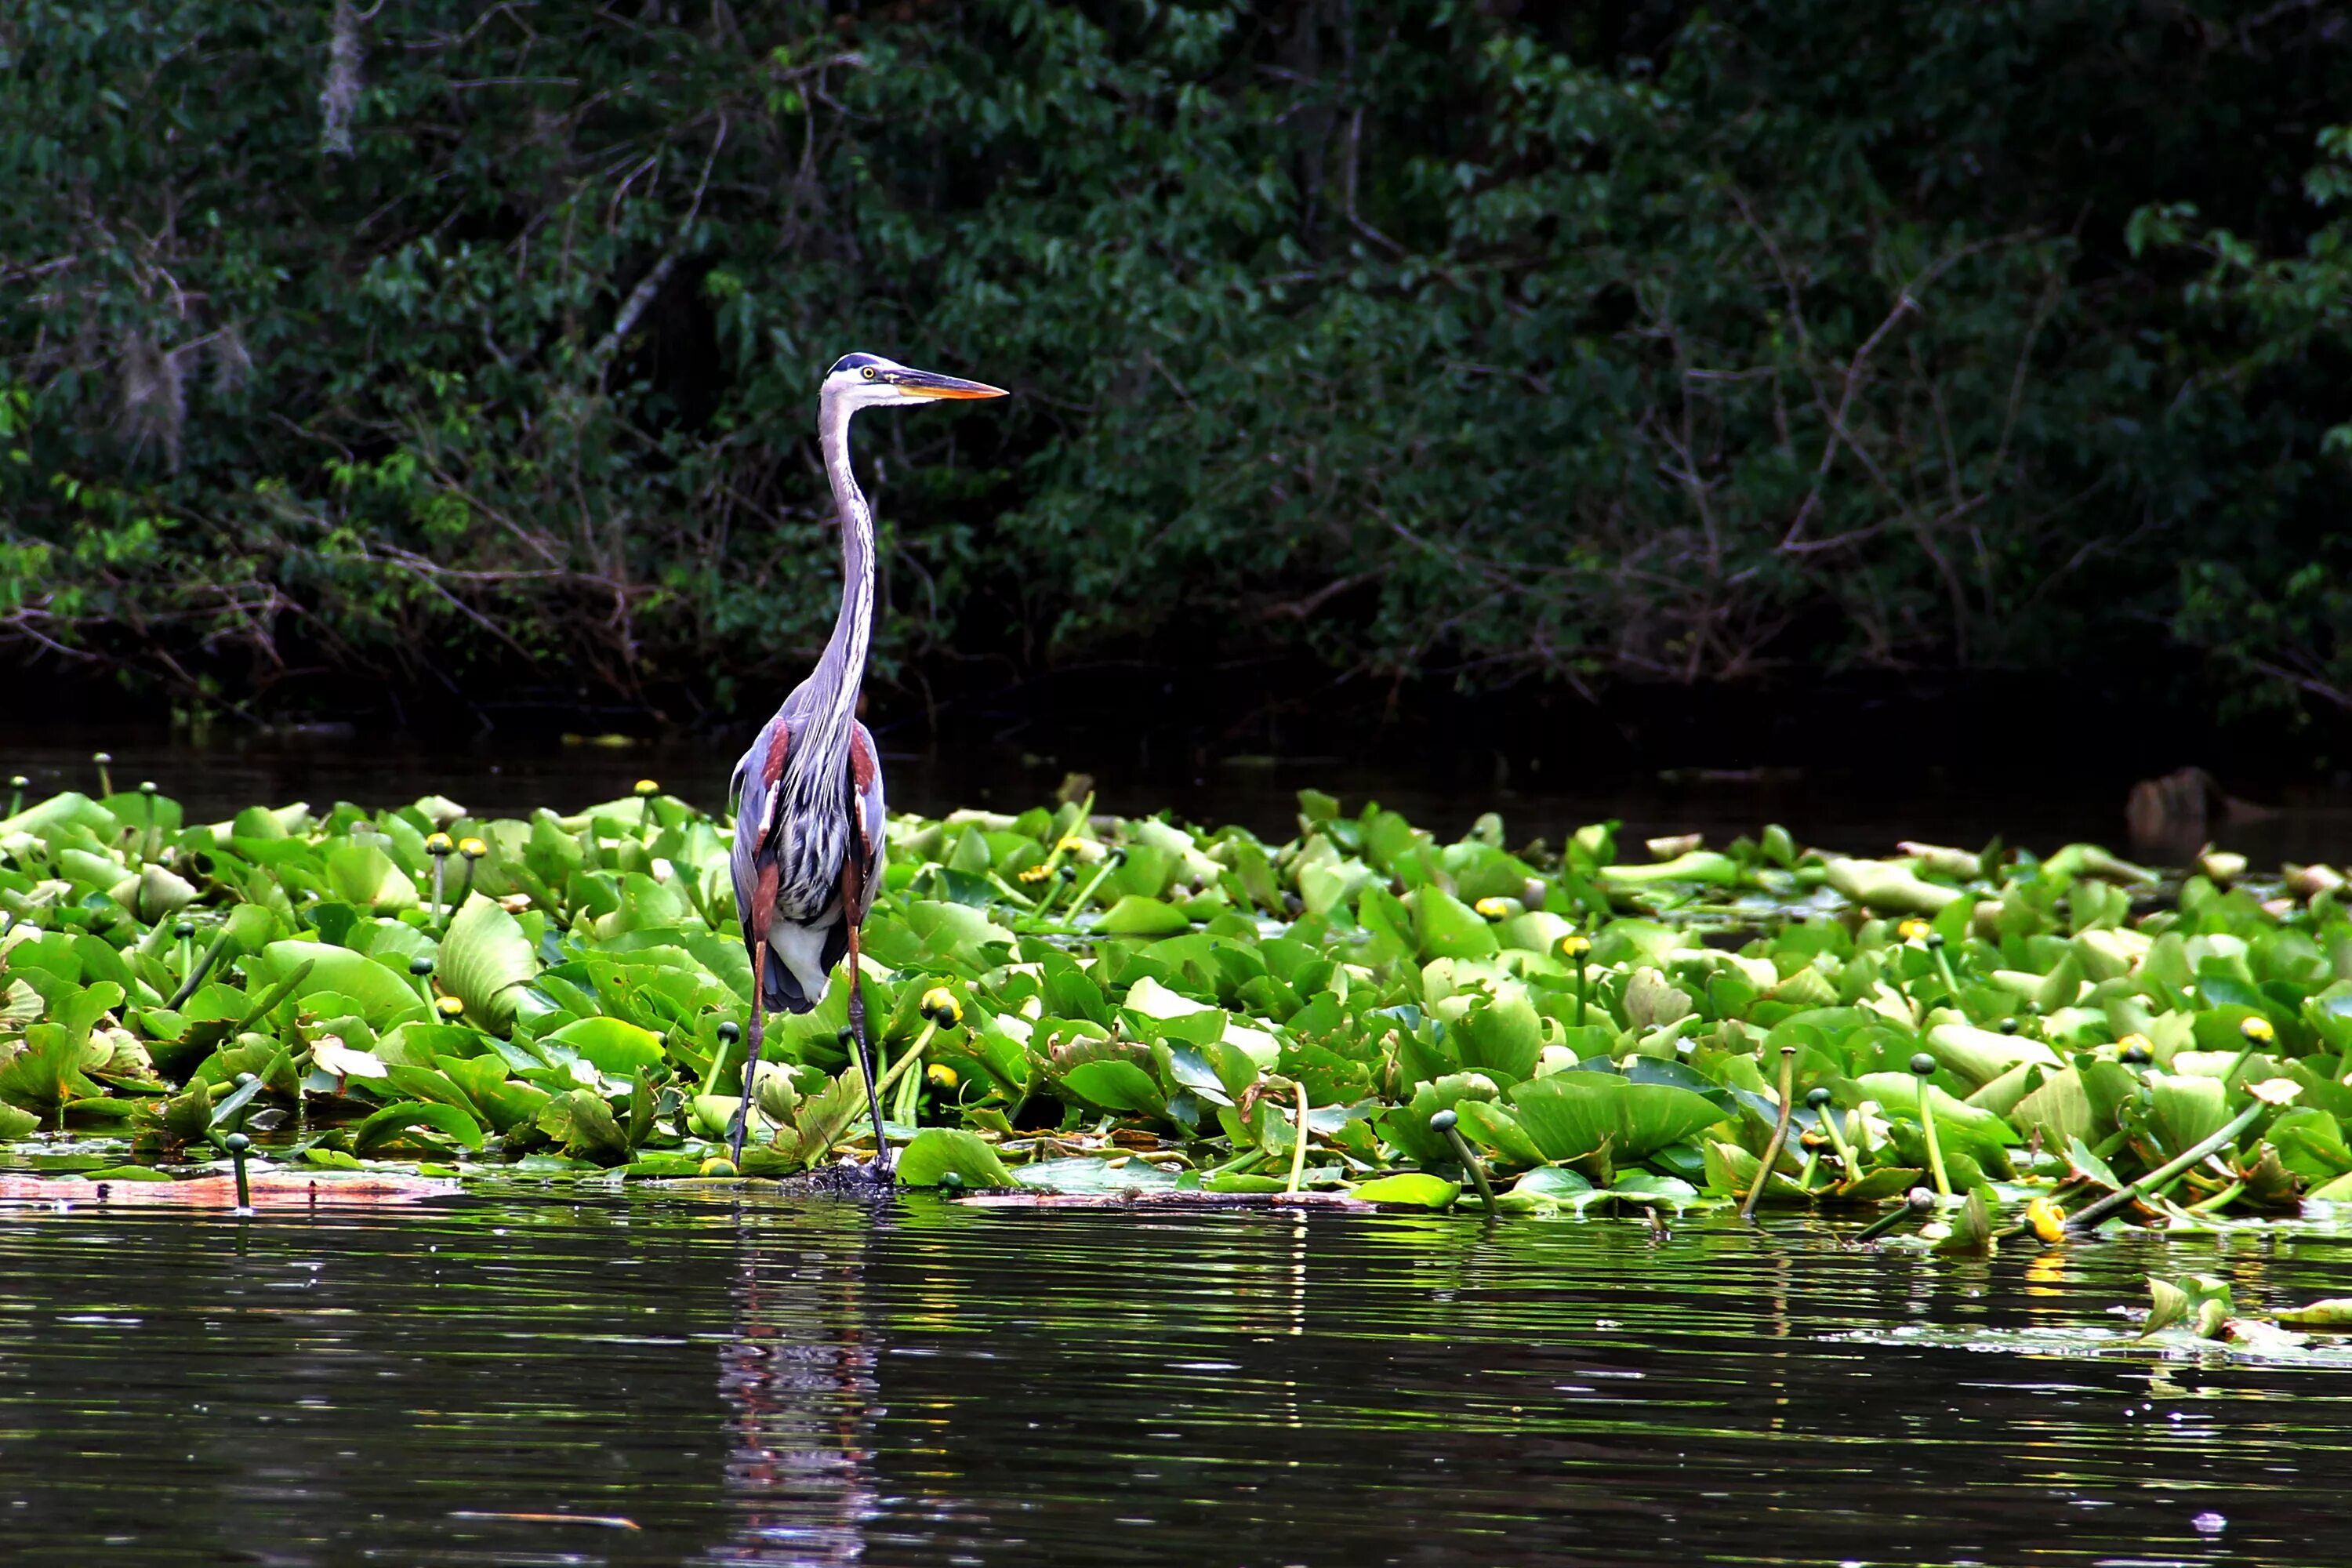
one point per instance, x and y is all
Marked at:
(869, 381)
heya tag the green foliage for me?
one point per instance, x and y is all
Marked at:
(1592, 1047)
(1670, 341)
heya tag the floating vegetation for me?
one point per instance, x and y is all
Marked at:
(1978, 1045)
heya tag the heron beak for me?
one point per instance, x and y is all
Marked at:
(930, 384)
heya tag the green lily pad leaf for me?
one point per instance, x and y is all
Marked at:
(1572, 1114)
(15, 1123)
(1242, 1183)
(1545, 1187)
(1446, 927)
(488, 963)
(363, 874)
(1090, 1174)
(2169, 1303)
(936, 1150)
(1492, 1127)
(583, 1125)
(1136, 915)
(386, 1126)
(613, 1046)
(1114, 1086)
(2334, 1312)
(1503, 1039)
(1972, 1227)
(2184, 1112)
(381, 997)
(46, 1072)
(1408, 1189)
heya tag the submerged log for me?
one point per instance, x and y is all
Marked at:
(270, 1189)
(1137, 1198)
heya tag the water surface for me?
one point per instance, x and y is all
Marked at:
(690, 1381)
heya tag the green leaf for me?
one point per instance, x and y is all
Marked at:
(1135, 915)
(2334, 1312)
(613, 1046)
(1503, 1038)
(936, 1150)
(383, 997)
(581, 1124)
(1446, 927)
(488, 963)
(1572, 1114)
(1114, 1086)
(385, 1127)
(2169, 1303)
(1409, 1189)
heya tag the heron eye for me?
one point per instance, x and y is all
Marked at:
(867, 373)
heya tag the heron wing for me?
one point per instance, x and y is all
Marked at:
(754, 787)
(865, 794)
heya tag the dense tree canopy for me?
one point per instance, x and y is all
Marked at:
(477, 342)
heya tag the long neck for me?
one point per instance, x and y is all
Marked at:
(834, 686)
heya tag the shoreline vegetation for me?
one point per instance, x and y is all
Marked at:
(1991, 1042)
(410, 358)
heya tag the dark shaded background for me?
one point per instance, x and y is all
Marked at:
(1606, 386)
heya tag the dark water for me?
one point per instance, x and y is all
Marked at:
(833, 1384)
(1836, 804)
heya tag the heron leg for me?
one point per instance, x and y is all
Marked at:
(757, 1028)
(865, 1053)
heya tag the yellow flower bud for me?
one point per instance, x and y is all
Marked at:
(1574, 946)
(648, 786)
(1912, 930)
(2048, 1220)
(472, 848)
(942, 1075)
(941, 1008)
(451, 1006)
(1494, 909)
(2257, 1030)
(438, 843)
(1036, 873)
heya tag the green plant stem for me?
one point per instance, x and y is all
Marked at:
(197, 975)
(2237, 1063)
(1086, 894)
(1780, 1133)
(2219, 1200)
(1884, 1224)
(1236, 1165)
(1298, 1144)
(2092, 1214)
(1470, 1163)
(1935, 1147)
(1845, 1153)
(907, 1058)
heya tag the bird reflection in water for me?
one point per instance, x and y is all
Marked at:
(802, 1400)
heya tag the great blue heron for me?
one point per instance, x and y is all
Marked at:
(808, 830)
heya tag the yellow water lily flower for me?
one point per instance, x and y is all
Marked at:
(451, 1006)
(941, 1008)
(438, 843)
(2048, 1220)
(942, 1075)
(472, 848)
(1494, 909)
(1574, 946)
(2258, 1030)
(1912, 931)
(1037, 873)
